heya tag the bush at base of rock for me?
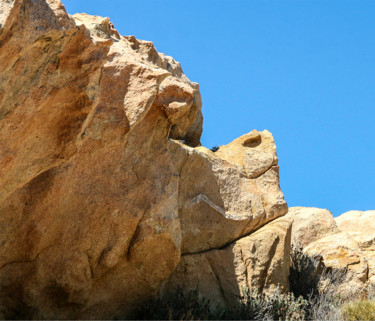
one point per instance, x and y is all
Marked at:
(359, 310)
(252, 306)
(272, 306)
(180, 305)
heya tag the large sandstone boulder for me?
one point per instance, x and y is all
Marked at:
(103, 183)
(310, 224)
(88, 200)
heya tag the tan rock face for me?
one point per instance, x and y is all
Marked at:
(361, 228)
(98, 196)
(218, 202)
(89, 196)
(259, 261)
(254, 152)
(340, 252)
(310, 224)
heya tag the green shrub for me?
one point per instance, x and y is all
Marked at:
(251, 306)
(359, 310)
(285, 306)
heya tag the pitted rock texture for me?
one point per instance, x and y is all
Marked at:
(103, 181)
(343, 243)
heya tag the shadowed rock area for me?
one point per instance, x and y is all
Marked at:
(105, 192)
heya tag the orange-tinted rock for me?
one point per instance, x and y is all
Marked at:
(218, 202)
(98, 196)
(88, 200)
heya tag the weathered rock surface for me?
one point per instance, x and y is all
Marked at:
(259, 261)
(254, 152)
(340, 252)
(342, 243)
(218, 201)
(361, 228)
(310, 224)
(99, 196)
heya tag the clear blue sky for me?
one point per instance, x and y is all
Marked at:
(304, 70)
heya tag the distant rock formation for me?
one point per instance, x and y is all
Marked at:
(106, 194)
(346, 242)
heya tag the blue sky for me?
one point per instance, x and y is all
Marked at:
(304, 70)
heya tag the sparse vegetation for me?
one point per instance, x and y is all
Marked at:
(273, 306)
(251, 306)
(313, 296)
(176, 306)
(215, 148)
(359, 310)
(303, 278)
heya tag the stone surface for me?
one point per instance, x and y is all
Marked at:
(361, 228)
(254, 152)
(342, 243)
(89, 220)
(258, 261)
(340, 252)
(103, 180)
(310, 224)
(218, 202)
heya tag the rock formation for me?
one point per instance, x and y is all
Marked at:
(361, 228)
(310, 224)
(106, 195)
(345, 243)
